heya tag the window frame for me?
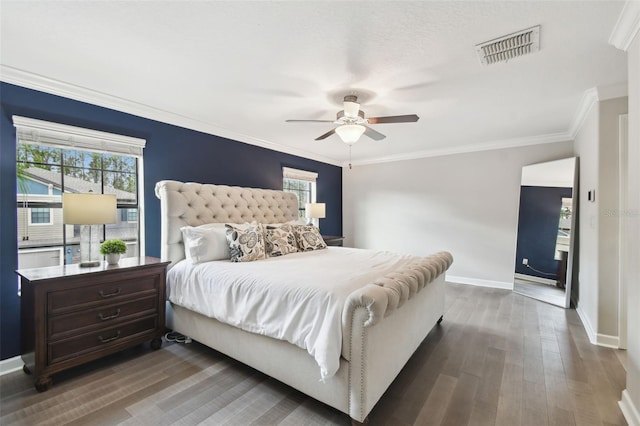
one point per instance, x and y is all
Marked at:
(301, 176)
(30, 216)
(43, 133)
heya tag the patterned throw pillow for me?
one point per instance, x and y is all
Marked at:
(309, 238)
(246, 243)
(280, 240)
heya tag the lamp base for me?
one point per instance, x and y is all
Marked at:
(89, 246)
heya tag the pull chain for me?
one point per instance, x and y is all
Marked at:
(349, 157)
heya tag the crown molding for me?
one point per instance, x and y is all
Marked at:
(45, 84)
(55, 87)
(627, 27)
(590, 98)
(487, 146)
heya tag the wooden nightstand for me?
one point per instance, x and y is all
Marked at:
(333, 240)
(72, 315)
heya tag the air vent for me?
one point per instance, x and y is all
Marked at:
(510, 46)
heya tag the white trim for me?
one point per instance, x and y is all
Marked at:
(10, 365)
(587, 325)
(589, 99)
(623, 136)
(30, 217)
(535, 279)
(599, 339)
(142, 226)
(44, 84)
(629, 410)
(479, 282)
(608, 341)
(38, 82)
(627, 26)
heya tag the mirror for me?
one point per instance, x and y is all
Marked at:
(546, 228)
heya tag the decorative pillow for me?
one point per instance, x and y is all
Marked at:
(246, 243)
(280, 240)
(309, 238)
(205, 242)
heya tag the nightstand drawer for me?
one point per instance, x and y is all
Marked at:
(99, 340)
(103, 316)
(63, 300)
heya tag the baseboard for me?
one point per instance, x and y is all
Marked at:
(629, 410)
(587, 326)
(479, 282)
(536, 279)
(599, 339)
(10, 365)
(608, 341)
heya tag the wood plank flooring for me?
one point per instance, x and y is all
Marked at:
(498, 358)
(544, 292)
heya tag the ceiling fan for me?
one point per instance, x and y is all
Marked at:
(352, 122)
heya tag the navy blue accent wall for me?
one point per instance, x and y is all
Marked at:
(172, 152)
(538, 229)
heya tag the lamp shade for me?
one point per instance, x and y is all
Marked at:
(315, 210)
(88, 209)
(350, 133)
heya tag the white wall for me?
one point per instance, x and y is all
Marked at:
(608, 203)
(631, 396)
(466, 204)
(597, 146)
(586, 148)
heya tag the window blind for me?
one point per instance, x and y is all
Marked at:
(32, 131)
(289, 173)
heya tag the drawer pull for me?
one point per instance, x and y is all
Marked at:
(115, 293)
(103, 318)
(109, 339)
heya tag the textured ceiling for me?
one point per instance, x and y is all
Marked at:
(240, 69)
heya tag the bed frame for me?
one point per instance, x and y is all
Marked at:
(383, 323)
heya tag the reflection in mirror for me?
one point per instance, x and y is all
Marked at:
(546, 224)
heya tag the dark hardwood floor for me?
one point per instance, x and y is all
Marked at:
(498, 358)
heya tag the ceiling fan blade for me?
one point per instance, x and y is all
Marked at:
(394, 119)
(326, 135)
(309, 121)
(377, 136)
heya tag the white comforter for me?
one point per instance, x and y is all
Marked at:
(298, 297)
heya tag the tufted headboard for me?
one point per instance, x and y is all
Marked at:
(194, 204)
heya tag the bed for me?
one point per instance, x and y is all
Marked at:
(381, 321)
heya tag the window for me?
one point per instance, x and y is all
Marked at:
(128, 215)
(301, 183)
(53, 159)
(40, 216)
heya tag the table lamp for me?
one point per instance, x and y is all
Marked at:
(315, 211)
(89, 210)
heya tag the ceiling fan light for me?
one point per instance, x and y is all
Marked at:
(350, 133)
(351, 109)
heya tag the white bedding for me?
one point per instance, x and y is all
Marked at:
(298, 297)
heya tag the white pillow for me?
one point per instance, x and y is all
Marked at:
(205, 242)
